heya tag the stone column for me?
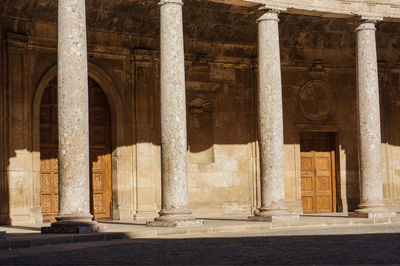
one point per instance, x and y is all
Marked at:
(371, 188)
(73, 122)
(175, 210)
(273, 205)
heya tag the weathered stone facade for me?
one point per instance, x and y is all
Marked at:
(318, 52)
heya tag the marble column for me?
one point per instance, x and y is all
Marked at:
(371, 186)
(270, 113)
(175, 210)
(73, 122)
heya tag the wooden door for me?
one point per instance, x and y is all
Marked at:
(48, 152)
(100, 152)
(318, 172)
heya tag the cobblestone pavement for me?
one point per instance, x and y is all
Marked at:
(360, 245)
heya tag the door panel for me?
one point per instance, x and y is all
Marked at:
(317, 174)
(48, 153)
(307, 182)
(100, 152)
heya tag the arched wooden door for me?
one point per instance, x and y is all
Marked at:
(100, 152)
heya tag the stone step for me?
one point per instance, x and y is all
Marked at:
(123, 230)
(43, 240)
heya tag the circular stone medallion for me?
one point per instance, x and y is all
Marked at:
(317, 101)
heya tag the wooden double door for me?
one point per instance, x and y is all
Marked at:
(318, 189)
(100, 152)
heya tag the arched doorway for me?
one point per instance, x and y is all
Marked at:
(100, 152)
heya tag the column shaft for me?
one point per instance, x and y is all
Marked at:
(73, 122)
(372, 204)
(73, 110)
(175, 209)
(270, 113)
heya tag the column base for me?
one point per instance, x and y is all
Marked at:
(3, 235)
(377, 210)
(73, 225)
(175, 218)
(274, 215)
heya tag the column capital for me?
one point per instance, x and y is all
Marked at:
(368, 22)
(174, 2)
(269, 13)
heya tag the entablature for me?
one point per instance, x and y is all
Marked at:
(388, 9)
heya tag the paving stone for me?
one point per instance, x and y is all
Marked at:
(4, 244)
(299, 246)
(16, 244)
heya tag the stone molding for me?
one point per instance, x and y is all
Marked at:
(272, 8)
(16, 40)
(142, 55)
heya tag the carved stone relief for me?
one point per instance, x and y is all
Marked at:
(200, 106)
(317, 101)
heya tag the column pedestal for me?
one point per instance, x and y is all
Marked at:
(175, 211)
(282, 215)
(73, 122)
(270, 113)
(175, 218)
(73, 226)
(375, 210)
(371, 185)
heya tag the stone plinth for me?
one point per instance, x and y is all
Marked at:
(379, 211)
(273, 204)
(372, 205)
(179, 223)
(73, 227)
(277, 216)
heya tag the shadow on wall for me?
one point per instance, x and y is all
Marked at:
(390, 115)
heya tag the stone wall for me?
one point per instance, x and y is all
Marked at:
(219, 135)
(391, 136)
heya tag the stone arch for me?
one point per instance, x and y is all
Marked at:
(117, 121)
